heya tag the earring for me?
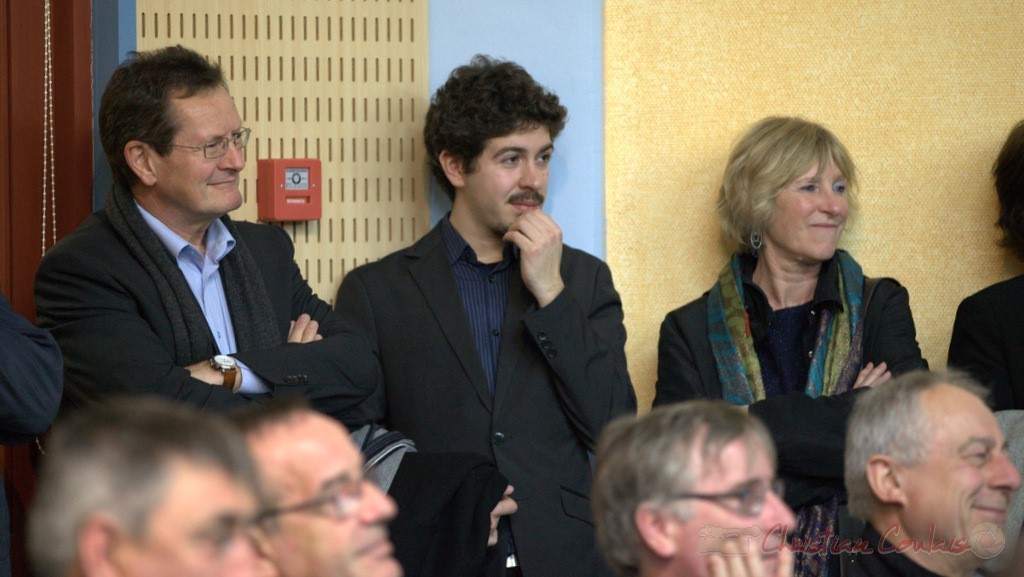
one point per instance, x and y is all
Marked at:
(755, 240)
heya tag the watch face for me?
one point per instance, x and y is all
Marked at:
(224, 361)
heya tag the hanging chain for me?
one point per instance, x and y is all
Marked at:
(49, 166)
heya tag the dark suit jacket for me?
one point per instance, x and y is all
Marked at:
(30, 367)
(561, 377)
(988, 341)
(105, 312)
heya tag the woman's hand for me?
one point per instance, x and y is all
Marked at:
(872, 375)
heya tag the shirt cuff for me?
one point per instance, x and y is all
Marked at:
(251, 382)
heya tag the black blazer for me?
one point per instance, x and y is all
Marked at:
(810, 434)
(561, 377)
(988, 341)
(105, 312)
(30, 384)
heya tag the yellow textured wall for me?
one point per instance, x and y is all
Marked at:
(921, 92)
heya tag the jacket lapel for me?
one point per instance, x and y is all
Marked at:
(514, 341)
(432, 274)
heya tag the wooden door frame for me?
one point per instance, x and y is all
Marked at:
(21, 123)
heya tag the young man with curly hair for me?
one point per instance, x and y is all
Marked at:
(494, 337)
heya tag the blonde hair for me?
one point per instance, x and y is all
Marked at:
(771, 154)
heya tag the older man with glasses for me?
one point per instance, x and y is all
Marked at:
(690, 490)
(326, 518)
(160, 292)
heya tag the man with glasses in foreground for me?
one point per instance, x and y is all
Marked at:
(690, 490)
(326, 519)
(160, 292)
(145, 488)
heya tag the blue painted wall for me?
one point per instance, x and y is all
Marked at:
(559, 43)
(113, 36)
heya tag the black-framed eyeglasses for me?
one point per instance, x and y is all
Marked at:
(219, 147)
(338, 502)
(747, 501)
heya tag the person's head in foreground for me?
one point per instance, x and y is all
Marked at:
(326, 519)
(927, 467)
(690, 490)
(144, 488)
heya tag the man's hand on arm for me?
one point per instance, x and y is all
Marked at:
(304, 330)
(506, 506)
(539, 239)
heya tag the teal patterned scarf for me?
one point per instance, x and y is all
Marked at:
(835, 364)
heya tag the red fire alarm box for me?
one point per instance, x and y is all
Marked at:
(288, 189)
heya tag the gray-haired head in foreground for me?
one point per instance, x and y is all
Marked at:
(114, 459)
(888, 420)
(650, 458)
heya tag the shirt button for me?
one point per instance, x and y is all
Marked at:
(810, 354)
(498, 438)
(495, 332)
(490, 279)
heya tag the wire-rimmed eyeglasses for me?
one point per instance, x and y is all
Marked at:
(337, 502)
(219, 147)
(747, 501)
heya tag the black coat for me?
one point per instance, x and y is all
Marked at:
(987, 341)
(106, 314)
(809, 434)
(561, 378)
(30, 386)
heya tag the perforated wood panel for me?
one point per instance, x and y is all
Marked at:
(344, 81)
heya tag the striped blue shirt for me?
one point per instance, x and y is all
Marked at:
(484, 290)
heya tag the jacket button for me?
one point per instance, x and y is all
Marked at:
(498, 438)
(542, 336)
(552, 353)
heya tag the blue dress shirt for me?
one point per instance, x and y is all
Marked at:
(202, 273)
(484, 289)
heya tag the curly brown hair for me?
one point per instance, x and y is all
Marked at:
(485, 99)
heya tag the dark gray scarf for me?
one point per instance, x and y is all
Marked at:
(243, 287)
